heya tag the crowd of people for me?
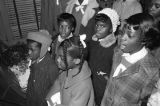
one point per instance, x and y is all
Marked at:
(102, 55)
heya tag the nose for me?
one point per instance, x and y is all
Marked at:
(152, 7)
(98, 27)
(124, 37)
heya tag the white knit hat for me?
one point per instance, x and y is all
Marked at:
(112, 14)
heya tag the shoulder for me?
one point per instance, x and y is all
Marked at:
(150, 64)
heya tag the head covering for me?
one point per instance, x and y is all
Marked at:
(112, 14)
(42, 37)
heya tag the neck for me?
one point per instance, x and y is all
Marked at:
(138, 49)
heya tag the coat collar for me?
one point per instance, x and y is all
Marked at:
(73, 78)
(149, 63)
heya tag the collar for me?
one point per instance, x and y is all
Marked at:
(60, 39)
(136, 56)
(85, 2)
(107, 41)
(40, 59)
(72, 78)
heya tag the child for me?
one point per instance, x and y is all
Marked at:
(13, 65)
(44, 70)
(101, 49)
(84, 12)
(66, 25)
(75, 79)
(135, 71)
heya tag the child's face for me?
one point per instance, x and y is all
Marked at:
(102, 29)
(131, 40)
(65, 29)
(61, 61)
(34, 50)
(155, 8)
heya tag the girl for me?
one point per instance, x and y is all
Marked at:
(135, 70)
(101, 50)
(66, 27)
(75, 85)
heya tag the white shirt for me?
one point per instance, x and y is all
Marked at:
(131, 59)
(60, 39)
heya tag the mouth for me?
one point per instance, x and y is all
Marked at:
(122, 46)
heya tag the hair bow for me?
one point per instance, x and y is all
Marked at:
(82, 38)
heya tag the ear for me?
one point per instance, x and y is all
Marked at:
(76, 61)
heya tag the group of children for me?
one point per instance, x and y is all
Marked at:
(66, 71)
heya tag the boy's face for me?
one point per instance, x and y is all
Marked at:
(61, 61)
(102, 29)
(131, 39)
(155, 8)
(34, 50)
(65, 29)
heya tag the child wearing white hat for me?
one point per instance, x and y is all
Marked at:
(101, 49)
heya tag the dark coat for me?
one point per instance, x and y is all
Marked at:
(99, 59)
(42, 77)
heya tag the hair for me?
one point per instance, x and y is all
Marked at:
(150, 35)
(67, 17)
(14, 55)
(75, 49)
(103, 18)
(39, 45)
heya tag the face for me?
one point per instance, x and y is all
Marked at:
(65, 29)
(61, 61)
(130, 40)
(34, 50)
(155, 8)
(102, 29)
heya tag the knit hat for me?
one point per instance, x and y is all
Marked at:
(112, 14)
(42, 37)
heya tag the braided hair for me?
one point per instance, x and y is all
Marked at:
(75, 49)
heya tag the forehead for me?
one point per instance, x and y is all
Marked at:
(33, 44)
(107, 23)
(65, 23)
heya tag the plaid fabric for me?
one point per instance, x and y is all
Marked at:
(132, 85)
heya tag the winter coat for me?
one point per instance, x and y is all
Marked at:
(42, 77)
(76, 89)
(130, 87)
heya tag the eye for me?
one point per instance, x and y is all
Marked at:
(157, 5)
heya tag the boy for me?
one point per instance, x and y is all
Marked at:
(43, 69)
(66, 26)
(101, 49)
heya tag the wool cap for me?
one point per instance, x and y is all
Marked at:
(42, 37)
(114, 17)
